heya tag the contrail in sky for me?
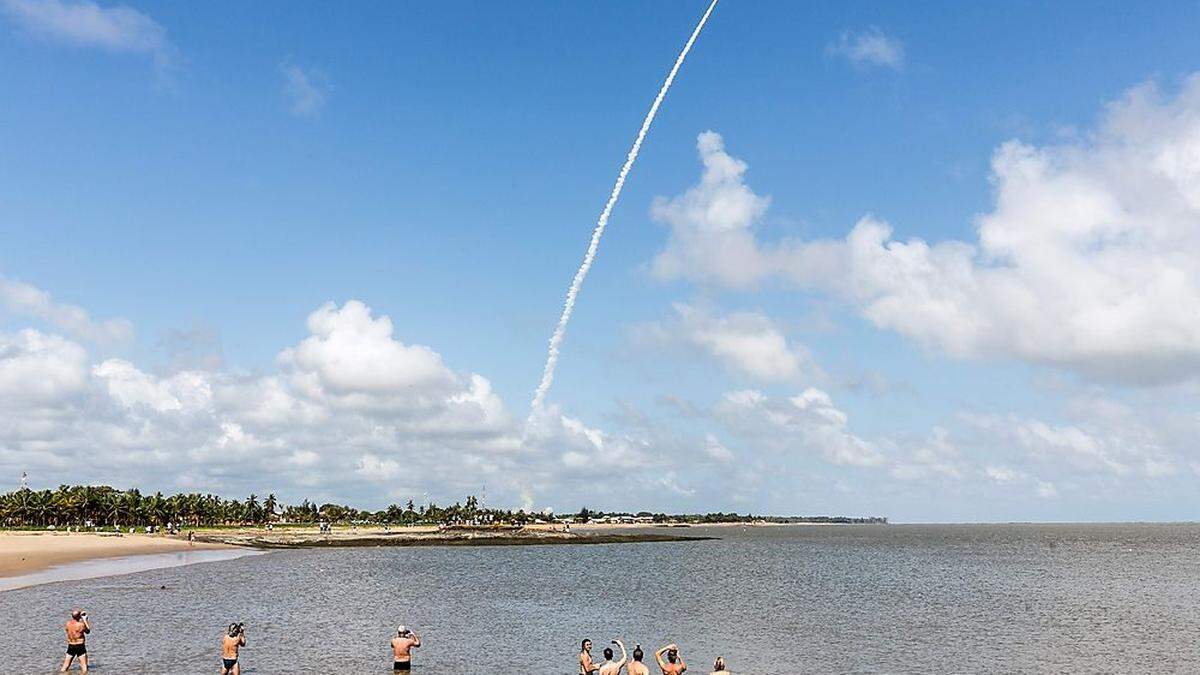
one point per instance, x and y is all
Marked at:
(573, 292)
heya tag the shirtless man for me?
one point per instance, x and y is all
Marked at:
(636, 667)
(231, 643)
(77, 628)
(610, 667)
(402, 646)
(719, 667)
(586, 667)
(673, 664)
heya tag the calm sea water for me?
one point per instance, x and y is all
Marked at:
(863, 599)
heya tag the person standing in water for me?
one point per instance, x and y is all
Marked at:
(231, 644)
(402, 646)
(673, 663)
(586, 667)
(77, 629)
(636, 667)
(719, 667)
(610, 667)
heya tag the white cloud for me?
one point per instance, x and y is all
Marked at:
(38, 369)
(22, 298)
(869, 47)
(1046, 490)
(746, 343)
(717, 450)
(306, 90)
(1088, 261)
(710, 223)
(374, 468)
(1113, 447)
(937, 456)
(1003, 474)
(807, 422)
(86, 24)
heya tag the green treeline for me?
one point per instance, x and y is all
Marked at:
(104, 506)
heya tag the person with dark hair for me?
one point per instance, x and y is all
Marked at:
(673, 663)
(77, 629)
(402, 646)
(231, 644)
(719, 667)
(636, 667)
(610, 667)
(586, 667)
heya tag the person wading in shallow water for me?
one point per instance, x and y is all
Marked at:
(402, 646)
(636, 667)
(77, 629)
(231, 645)
(719, 667)
(673, 664)
(586, 667)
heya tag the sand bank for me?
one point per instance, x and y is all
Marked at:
(26, 552)
(289, 537)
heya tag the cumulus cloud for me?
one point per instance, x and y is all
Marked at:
(86, 24)
(870, 47)
(807, 422)
(749, 344)
(24, 299)
(306, 90)
(1096, 445)
(348, 403)
(1089, 260)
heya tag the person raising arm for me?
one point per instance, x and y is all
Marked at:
(611, 667)
(672, 663)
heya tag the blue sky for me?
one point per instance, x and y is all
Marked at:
(204, 178)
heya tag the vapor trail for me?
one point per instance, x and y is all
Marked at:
(588, 258)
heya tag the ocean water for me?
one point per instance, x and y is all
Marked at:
(777, 600)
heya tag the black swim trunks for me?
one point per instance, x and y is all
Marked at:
(229, 663)
(399, 666)
(76, 650)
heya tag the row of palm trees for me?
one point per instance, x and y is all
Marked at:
(104, 506)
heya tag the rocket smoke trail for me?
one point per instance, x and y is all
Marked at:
(573, 292)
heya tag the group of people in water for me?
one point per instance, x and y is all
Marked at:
(78, 627)
(668, 659)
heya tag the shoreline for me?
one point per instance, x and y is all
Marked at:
(311, 537)
(23, 553)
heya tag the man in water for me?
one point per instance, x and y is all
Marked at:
(231, 643)
(402, 646)
(636, 667)
(610, 667)
(719, 667)
(586, 667)
(673, 663)
(77, 629)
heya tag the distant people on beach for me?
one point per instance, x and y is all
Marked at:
(402, 646)
(669, 660)
(586, 667)
(77, 628)
(610, 667)
(636, 667)
(231, 645)
(719, 667)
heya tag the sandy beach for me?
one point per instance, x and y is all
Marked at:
(26, 552)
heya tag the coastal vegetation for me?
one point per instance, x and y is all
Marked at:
(104, 506)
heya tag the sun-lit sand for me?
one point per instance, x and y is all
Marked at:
(25, 552)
